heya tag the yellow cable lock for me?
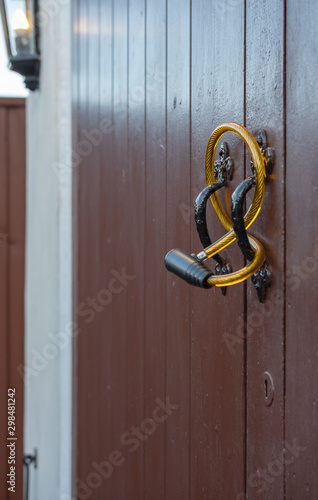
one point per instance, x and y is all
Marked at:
(260, 175)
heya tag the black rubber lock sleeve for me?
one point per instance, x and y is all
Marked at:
(188, 267)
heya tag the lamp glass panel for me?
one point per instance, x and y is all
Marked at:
(21, 27)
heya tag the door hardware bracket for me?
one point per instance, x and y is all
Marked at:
(223, 167)
(221, 271)
(29, 460)
(268, 153)
(262, 280)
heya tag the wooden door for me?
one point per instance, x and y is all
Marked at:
(172, 383)
(12, 246)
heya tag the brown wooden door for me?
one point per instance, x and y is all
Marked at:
(172, 382)
(12, 246)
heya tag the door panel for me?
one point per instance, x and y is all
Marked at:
(171, 395)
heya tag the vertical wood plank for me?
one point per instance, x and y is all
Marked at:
(16, 170)
(107, 194)
(302, 251)
(217, 368)
(75, 238)
(4, 288)
(155, 244)
(265, 322)
(118, 218)
(136, 237)
(12, 264)
(178, 236)
(84, 347)
(91, 133)
(96, 281)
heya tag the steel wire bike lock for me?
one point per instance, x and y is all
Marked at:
(190, 267)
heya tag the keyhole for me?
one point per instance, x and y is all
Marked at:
(266, 386)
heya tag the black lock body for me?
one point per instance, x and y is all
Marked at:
(188, 267)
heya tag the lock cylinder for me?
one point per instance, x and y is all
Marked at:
(188, 267)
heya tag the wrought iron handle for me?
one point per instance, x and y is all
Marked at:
(200, 216)
(187, 266)
(237, 207)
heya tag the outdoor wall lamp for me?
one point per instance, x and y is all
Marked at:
(190, 267)
(21, 33)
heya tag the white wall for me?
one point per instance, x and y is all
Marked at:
(11, 84)
(48, 263)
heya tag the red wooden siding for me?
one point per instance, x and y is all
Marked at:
(12, 246)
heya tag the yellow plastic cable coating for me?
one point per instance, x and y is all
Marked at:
(246, 272)
(260, 175)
